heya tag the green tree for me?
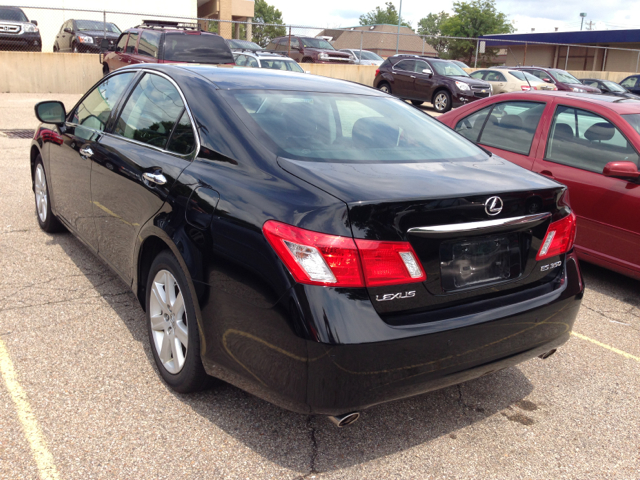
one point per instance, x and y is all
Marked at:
(473, 19)
(432, 25)
(265, 13)
(380, 16)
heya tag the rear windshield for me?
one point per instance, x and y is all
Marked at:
(326, 127)
(190, 48)
(85, 25)
(12, 15)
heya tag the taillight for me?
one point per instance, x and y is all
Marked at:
(525, 88)
(559, 238)
(377, 72)
(319, 259)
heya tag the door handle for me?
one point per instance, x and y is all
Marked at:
(546, 173)
(413, 76)
(86, 152)
(157, 178)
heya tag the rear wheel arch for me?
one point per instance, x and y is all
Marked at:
(149, 250)
(33, 156)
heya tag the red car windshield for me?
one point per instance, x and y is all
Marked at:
(201, 48)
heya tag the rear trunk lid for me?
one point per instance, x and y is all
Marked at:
(476, 228)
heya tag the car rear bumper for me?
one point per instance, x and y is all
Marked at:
(361, 361)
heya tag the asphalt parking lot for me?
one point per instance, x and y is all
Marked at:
(81, 398)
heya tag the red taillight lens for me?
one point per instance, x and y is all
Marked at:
(389, 263)
(526, 88)
(319, 259)
(377, 72)
(559, 238)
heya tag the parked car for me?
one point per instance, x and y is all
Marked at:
(364, 57)
(85, 36)
(607, 87)
(271, 60)
(157, 41)
(424, 79)
(312, 241)
(562, 79)
(589, 143)
(240, 45)
(632, 83)
(309, 50)
(505, 81)
(17, 33)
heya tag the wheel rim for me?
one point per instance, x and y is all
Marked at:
(168, 321)
(384, 88)
(42, 199)
(441, 101)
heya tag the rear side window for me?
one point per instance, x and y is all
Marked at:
(406, 65)
(149, 43)
(131, 45)
(192, 48)
(96, 107)
(151, 112)
(584, 140)
(182, 139)
(479, 75)
(495, 77)
(471, 126)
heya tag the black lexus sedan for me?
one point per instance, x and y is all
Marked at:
(315, 242)
(607, 87)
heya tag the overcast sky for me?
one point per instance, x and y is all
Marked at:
(543, 15)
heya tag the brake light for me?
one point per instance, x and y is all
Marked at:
(526, 88)
(377, 72)
(559, 238)
(315, 258)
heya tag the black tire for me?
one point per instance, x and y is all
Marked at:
(442, 101)
(306, 60)
(192, 376)
(105, 69)
(74, 48)
(384, 87)
(46, 219)
(417, 103)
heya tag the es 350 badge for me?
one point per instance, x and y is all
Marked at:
(551, 266)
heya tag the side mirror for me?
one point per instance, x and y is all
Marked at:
(104, 45)
(427, 71)
(307, 71)
(51, 112)
(34, 22)
(548, 80)
(68, 30)
(626, 170)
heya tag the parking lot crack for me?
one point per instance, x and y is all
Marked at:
(314, 447)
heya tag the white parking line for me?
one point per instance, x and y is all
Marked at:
(608, 347)
(41, 454)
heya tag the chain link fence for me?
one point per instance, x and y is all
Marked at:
(82, 31)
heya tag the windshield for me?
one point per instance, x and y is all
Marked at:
(368, 55)
(614, 87)
(246, 44)
(316, 43)
(281, 65)
(326, 127)
(12, 15)
(189, 48)
(633, 120)
(449, 69)
(84, 25)
(564, 77)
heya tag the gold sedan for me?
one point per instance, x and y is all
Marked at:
(503, 80)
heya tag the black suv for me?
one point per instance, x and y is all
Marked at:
(424, 79)
(85, 36)
(17, 33)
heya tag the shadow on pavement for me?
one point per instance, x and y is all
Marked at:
(611, 284)
(311, 443)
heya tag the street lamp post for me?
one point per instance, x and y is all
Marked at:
(399, 22)
(582, 15)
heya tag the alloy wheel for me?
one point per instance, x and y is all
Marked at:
(440, 102)
(169, 323)
(385, 88)
(42, 199)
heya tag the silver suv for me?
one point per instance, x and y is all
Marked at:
(17, 33)
(264, 59)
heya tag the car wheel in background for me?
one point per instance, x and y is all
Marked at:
(75, 48)
(47, 221)
(384, 87)
(417, 103)
(442, 101)
(306, 60)
(173, 328)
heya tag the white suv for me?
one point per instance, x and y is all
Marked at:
(263, 59)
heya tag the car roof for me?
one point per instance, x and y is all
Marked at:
(239, 78)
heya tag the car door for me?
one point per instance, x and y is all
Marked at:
(497, 81)
(507, 129)
(59, 36)
(150, 144)
(65, 37)
(70, 162)
(115, 60)
(128, 57)
(424, 83)
(403, 76)
(579, 143)
(148, 47)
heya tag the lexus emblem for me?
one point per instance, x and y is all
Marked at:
(493, 206)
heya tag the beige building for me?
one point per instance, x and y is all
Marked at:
(237, 10)
(379, 39)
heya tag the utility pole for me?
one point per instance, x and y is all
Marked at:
(399, 22)
(590, 26)
(582, 15)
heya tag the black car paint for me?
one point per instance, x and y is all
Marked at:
(427, 85)
(23, 41)
(636, 88)
(307, 348)
(67, 40)
(605, 90)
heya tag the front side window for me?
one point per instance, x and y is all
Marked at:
(94, 111)
(327, 127)
(149, 43)
(511, 126)
(122, 42)
(151, 111)
(252, 62)
(241, 60)
(449, 69)
(478, 74)
(131, 45)
(420, 66)
(279, 64)
(629, 82)
(582, 139)
(295, 43)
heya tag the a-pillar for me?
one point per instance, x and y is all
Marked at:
(225, 14)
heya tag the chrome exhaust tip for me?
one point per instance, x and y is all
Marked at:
(344, 420)
(546, 355)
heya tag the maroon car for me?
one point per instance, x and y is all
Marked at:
(310, 50)
(560, 78)
(589, 143)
